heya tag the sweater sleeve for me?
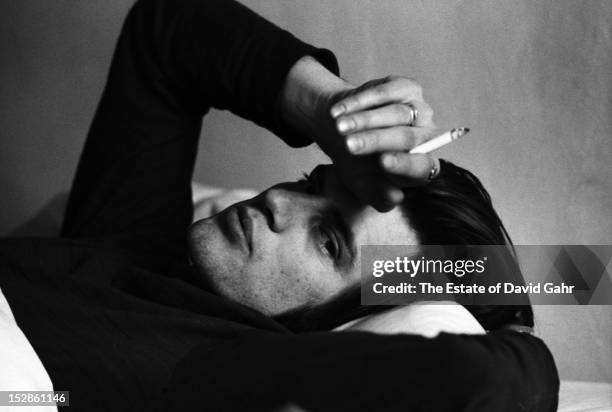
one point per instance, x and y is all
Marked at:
(357, 371)
(219, 53)
(174, 60)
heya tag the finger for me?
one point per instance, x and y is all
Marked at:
(391, 139)
(378, 192)
(413, 114)
(394, 195)
(387, 199)
(406, 169)
(390, 89)
(423, 114)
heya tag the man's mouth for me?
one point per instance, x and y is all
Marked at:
(240, 226)
(246, 224)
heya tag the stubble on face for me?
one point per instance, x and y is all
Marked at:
(284, 268)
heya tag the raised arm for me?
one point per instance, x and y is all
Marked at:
(173, 61)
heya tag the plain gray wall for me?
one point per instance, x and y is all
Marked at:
(532, 80)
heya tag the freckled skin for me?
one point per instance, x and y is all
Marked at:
(286, 268)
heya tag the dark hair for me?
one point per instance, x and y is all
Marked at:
(453, 209)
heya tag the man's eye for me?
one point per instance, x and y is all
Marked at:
(328, 244)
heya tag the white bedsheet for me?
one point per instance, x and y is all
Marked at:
(576, 396)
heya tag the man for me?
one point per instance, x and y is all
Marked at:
(135, 310)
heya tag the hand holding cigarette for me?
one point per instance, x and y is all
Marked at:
(387, 130)
(380, 117)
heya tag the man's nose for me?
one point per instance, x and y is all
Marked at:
(284, 208)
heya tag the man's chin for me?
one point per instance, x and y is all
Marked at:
(211, 254)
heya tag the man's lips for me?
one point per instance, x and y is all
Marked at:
(240, 226)
(246, 223)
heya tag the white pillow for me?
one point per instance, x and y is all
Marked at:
(421, 318)
(21, 368)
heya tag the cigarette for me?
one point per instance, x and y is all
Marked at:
(442, 140)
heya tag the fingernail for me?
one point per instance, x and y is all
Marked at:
(345, 125)
(389, 161)
(338, 110)
(354, 144)
(396, 196)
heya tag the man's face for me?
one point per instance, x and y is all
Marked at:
(295, 244)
